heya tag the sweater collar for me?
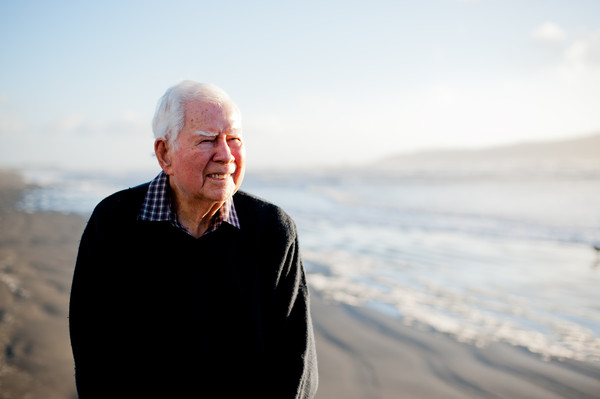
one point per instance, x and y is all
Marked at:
(157, 206)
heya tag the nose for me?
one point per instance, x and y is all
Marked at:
(222, 151)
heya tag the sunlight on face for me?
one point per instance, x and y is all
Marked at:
(208, 161)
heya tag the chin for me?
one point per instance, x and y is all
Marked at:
(222, 196)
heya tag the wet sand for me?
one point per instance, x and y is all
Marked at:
(362, 353)
(366, 354)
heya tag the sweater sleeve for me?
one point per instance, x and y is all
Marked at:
(86, 321)
(295, 371)
(96, 335)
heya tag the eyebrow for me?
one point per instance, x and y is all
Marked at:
(206, 134)
(234, 132)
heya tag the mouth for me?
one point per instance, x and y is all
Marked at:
(219, 176)
(223, 174)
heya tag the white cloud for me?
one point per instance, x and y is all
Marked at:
(550, 32)
(125, 124)
(76, 141)
(584, 52)
(69, 123)
(10, 122)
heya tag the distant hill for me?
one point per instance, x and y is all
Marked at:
(581, 148)
(556, 157)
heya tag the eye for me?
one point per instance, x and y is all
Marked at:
(206, 141)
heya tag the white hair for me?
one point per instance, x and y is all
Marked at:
(169, 116)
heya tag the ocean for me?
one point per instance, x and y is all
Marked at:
(484, 257)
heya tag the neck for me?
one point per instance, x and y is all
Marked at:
(196, 217)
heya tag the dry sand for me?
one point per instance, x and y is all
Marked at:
(37, 252)
(362, 353)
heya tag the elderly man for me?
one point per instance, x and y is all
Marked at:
(185, 286)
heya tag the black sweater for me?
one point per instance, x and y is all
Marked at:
(155, 312)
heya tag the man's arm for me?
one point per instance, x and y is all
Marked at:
(95, 327)
(295, 365)
(88, 322)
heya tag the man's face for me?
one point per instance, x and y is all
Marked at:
(207, 162)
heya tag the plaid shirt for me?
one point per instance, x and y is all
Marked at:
(157, 207)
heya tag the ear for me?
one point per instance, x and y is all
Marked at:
(163, 154)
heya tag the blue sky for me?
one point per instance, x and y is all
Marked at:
(318, 82)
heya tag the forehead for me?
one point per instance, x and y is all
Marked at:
(211, 116)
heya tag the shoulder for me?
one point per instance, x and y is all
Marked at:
(121, 204)
(255, 211)
(252, 204)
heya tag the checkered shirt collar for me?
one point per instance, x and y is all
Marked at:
(157, 207)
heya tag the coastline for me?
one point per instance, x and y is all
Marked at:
(362, 353)
(366, 354)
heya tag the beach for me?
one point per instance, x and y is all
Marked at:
(37, 251)
(362, 353)
(365, 354)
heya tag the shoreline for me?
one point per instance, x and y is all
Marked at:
(362, 353)
(366, 354)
